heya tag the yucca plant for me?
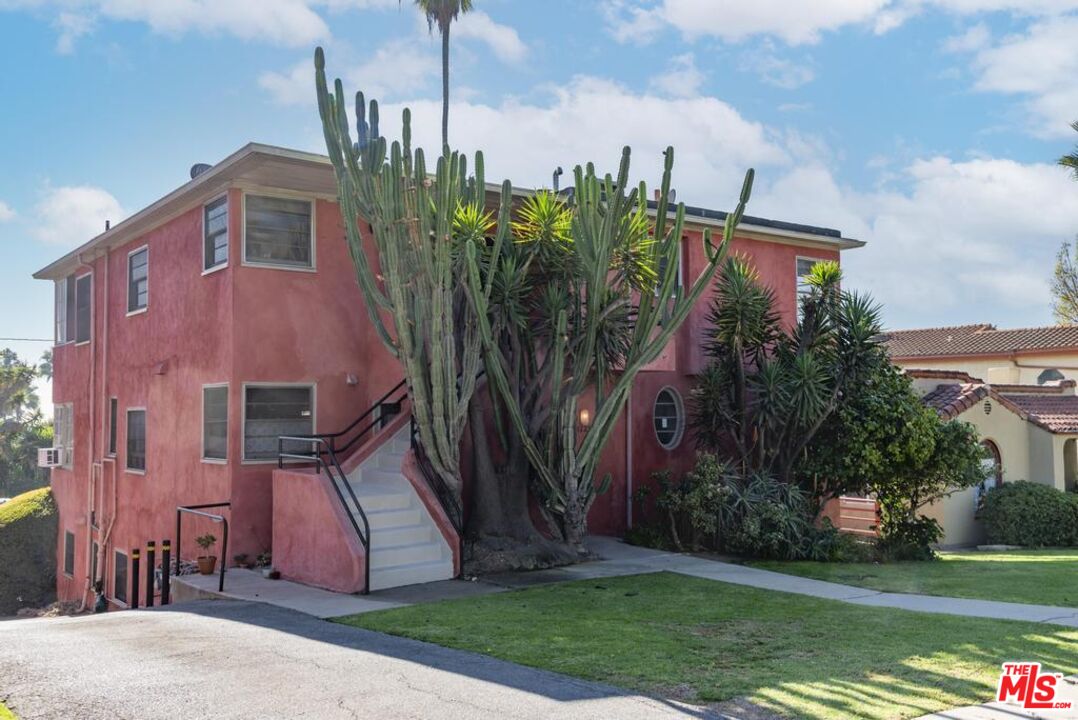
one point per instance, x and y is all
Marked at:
(769, 387)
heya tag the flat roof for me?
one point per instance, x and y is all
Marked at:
(271, 166)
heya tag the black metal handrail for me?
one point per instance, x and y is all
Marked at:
(336, 481)
(198, 510)
(388, 409)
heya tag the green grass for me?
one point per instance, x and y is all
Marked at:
(704, 641)
(1041, 577)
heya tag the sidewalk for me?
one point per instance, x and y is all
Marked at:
(616, 558)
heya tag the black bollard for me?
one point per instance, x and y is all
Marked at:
(149, 573)
(134, 579)
(166, 586)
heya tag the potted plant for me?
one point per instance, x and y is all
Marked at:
(206, 563)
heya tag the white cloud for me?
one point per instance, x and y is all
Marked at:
(71, 215)
(681, 78)
(973, 39)
(503, 40)
(72, 26)
(1039, 65)
(6, 213)
(395, 69)
(766, 64)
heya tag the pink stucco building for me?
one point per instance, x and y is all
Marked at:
(193, 334)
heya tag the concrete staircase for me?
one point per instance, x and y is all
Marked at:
(406, 546)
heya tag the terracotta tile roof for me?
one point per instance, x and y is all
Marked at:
(1055, 413)
(981, 339)
(941, 375)
(1053, 409)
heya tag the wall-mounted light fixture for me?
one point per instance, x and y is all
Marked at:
(584, 419)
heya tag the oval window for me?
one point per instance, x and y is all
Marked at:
(669, 418)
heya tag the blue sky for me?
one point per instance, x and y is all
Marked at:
(926, 127)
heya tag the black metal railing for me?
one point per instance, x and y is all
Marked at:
(199, 511)
(376, 416)
(326, 459)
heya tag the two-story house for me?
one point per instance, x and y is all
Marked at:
(195, 333)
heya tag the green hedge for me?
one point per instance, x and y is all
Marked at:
(28, 526)
(1031, 514)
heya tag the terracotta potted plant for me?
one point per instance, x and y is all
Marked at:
(206, 563)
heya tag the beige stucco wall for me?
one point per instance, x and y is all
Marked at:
(1022, 370)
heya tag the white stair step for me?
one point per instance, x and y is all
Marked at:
(390, 461)
(386, 478)
(407, 535)
(372, 502)
(380, 519)
(382, 578)
(402, 443)
(399, 555)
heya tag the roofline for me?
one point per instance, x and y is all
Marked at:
(993, 355)
(698, 215)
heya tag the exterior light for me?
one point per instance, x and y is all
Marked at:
(585, 419)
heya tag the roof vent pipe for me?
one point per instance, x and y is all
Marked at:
(107, 225)
(557, 177)
(199, 168)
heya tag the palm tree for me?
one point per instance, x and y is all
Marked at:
(442, 13)
(1070, 160)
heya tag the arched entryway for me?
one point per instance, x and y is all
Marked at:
(993, 465)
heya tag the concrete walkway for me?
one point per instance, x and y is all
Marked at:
(616, 558)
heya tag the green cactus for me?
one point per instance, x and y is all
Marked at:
(587, 293)
(415, 300)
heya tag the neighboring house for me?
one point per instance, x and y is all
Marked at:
(195, 333)
(1028, 356)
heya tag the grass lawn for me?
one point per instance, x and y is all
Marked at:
(704, 641)
(1041, 577)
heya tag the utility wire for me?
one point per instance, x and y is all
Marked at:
(7, 339)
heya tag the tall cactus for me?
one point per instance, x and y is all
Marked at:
(417, 286)
(605, 222)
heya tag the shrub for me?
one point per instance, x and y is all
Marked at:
(28, 528)
(910, 538)
(1030, 514)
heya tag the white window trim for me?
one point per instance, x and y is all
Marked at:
(202, 433)
(202, 249)
(243, 417)
(111, 432)
(89, 274)
(680, 403)
(127, 285)
(127, 434)
(271, 266)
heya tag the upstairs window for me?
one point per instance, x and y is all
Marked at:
(215, 234)
(114, 410)
(273, 411)
(83, 308)
(278, 232)
(136, 440)
(215, 422)
(74, 302)
(669, 418)
(138, 280)
(804, 268)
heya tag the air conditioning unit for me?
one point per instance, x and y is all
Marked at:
(50, 457)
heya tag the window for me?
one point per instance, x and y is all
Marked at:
(1049, 376)
(215, 422)
(114, 411)
(63, 431)
(272, 411)
(669, 415)
(993, 466)
(83, 308)
(215, 234)
(93, 562)
(119, 577)
(69, 553)
(277, 231)
(136, 439)
(138, 280)
(74, 308)
(661, 273)
(804, 267)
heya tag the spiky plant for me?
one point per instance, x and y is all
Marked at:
(1070, 160)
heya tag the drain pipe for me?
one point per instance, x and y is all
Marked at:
(90, 446)
(102, 547)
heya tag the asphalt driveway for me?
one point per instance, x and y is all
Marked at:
(232, 659)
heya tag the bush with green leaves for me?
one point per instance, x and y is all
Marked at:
(1030, 514)
(28, 527)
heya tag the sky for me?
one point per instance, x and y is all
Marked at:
(927, 128)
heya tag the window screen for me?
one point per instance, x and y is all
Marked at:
(215, 227)
(138, 280)
(136, 439)
(278, 231)
(270, 412)
(83, 305)
(119, 585)
(215, 422)
(69, 552)
(669, 418)
(114, 409)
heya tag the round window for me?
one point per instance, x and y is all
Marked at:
(669, 418)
